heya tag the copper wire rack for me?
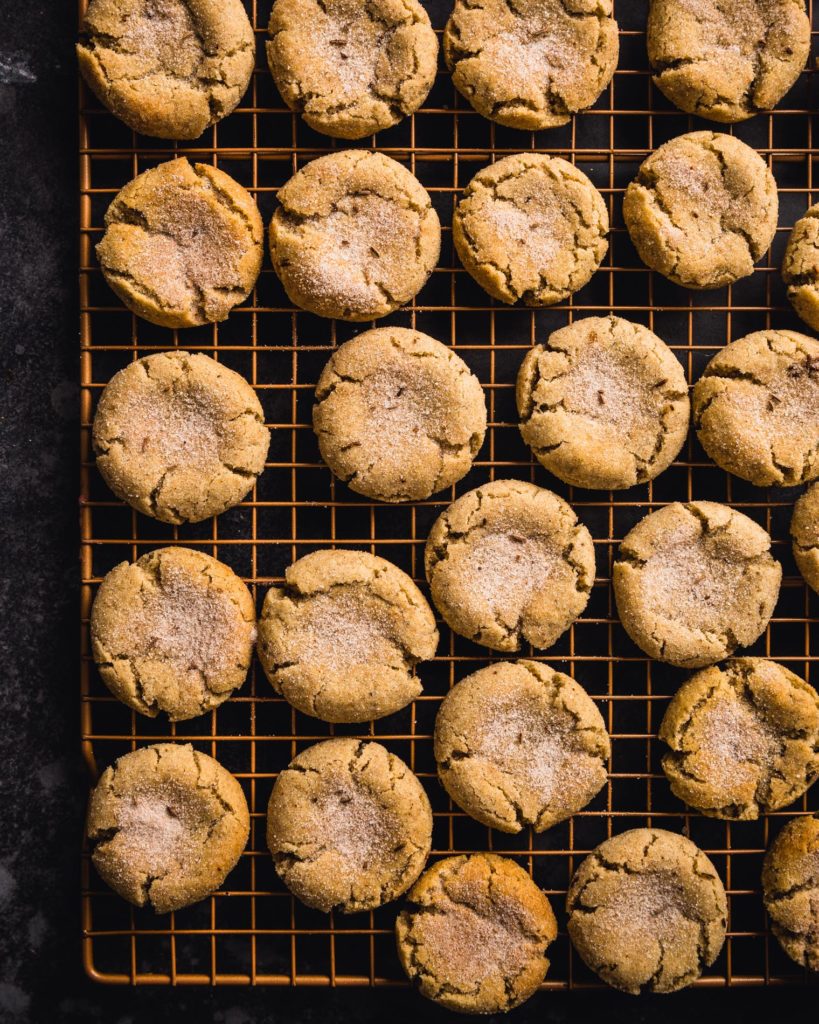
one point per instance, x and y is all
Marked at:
(252, 931)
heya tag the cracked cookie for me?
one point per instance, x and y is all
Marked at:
(167, 824)
(509, 563)
(474, 932)
(531, 228)
(756, 408)
(800, 267)
(744, 739)
(341, 637)
(355, 236)
(647, 911)
(179, 437)
(352, 68)
(603, 403)
(702, 210)
(519, 744)
(167, 68)
(349, 826)
(727, 61)
(183, 244)
(534, 63)
(173, 632)
(398, 415)
(695, 581)
(790, 885)
(805, 536)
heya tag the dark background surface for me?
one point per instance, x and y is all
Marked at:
(43, 787)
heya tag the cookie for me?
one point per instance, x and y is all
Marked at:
(531, 228)
(647, 911)
(727, 61)
(790, 884)
(167, 68)
(693, 582)
(702, 210)
(351, 68)
(519, 744)
(744, 739)
(474, 932)
(173, 632)
(756, 408)
(166, 824)
(800, 267)
(805, 536)
(183, 244)
(179, 437)
(531, 65)
(349, 826)
(603, 403)
(509, 563)
(355, 236)
(341, 637)
(398, 415)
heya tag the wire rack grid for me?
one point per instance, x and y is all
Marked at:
(253, 931)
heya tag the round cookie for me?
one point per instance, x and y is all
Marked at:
(341, 637)
(519, 744)
(509, 563)
(179, 437)
(531, 228)
(173, 632)
(800, 267)
(352, 68)
(744, 739)
(167, 68)
(531, 64)
(349, 826)
(647, 911)
(398, 415)
(702, 210)
(727, 61)
(355, 236)
(805, 536)
(183, 244)
(790, 885)
(167, 824)
(603, 403)
(756, 408)
(695, 581)
(474, 932)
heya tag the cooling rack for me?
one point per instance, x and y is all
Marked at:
(253, 931)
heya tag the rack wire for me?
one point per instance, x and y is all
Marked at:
(252, 931)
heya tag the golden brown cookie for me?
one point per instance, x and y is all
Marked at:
(510, 563)
(167, 824)
(603, 403)
(790, 884)
(531, 228)
(183, 244)
(647, 911)
(534, 63)
(167, 68)
(352, 68)
(756, 408)
(805, 535)
(474, 932)
(341, 638)
(398, 415)
(702, 210)
(800, 267)
(744, 739)
(179, 437)
(349, 826)
(695, 581)
(355, 236)
(173, 632)
(727, 61)
(519, 744)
